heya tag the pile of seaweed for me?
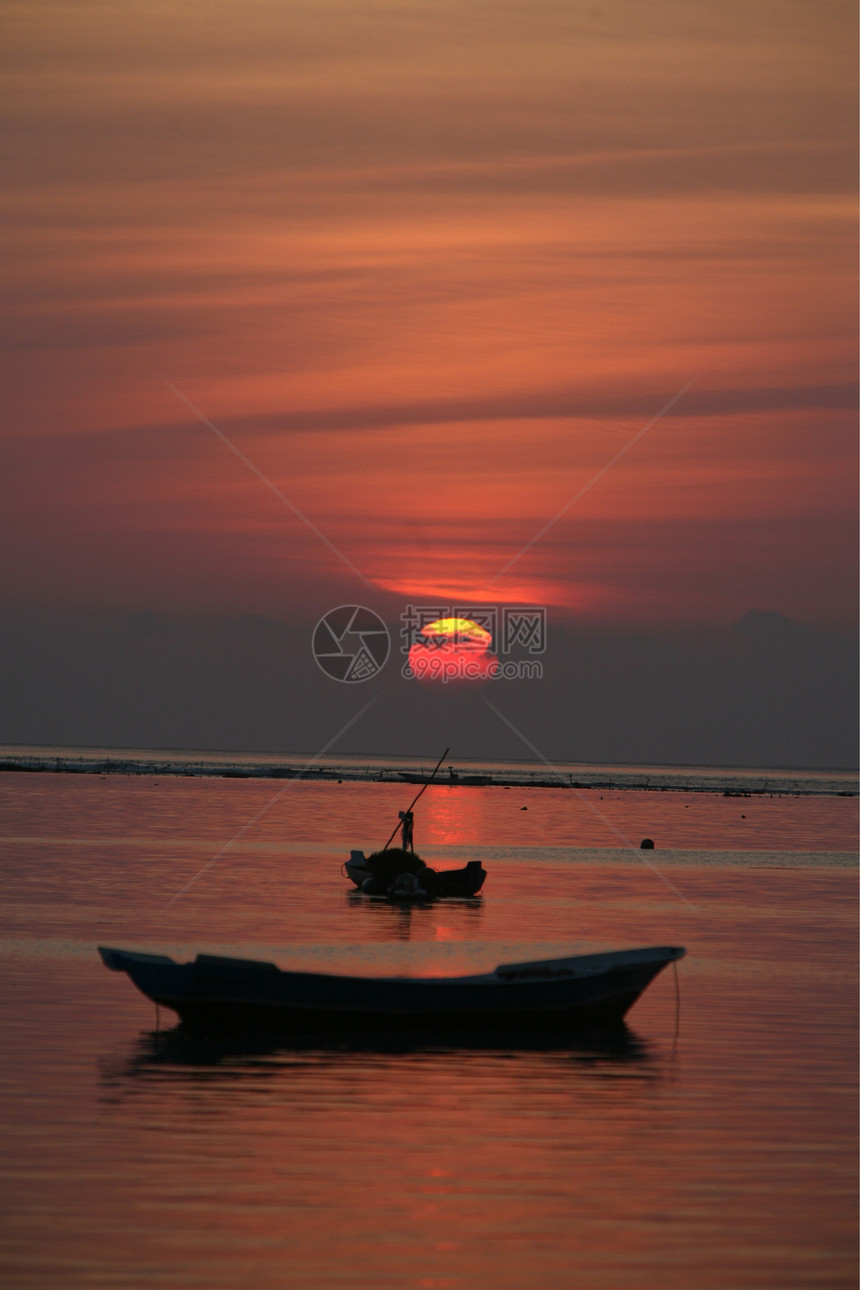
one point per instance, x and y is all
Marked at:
(387, 865)
(401, 874)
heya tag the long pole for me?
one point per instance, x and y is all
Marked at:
(418, 794)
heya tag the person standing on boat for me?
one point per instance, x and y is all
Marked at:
(406, 830)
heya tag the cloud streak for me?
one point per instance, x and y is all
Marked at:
(427, 275)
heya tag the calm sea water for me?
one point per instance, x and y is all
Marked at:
(716, 1150)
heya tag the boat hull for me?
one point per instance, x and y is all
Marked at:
(587, 991)
(412, 777)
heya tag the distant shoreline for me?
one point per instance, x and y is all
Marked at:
(729, 783)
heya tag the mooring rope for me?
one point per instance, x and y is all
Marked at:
(677, 1006)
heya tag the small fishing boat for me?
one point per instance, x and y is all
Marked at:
(586, 990)
(454, 777)
(397, 873)
(401, 875)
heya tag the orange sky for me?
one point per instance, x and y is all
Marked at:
(430, 266)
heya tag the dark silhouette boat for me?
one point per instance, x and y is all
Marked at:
(583, 991)
(396, 874)
(453, 777)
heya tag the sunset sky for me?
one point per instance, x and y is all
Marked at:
(429, 267)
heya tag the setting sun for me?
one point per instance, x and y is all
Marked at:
(453, 649)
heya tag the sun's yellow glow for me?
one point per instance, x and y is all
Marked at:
(462, 630)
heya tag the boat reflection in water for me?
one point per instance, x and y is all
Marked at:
(184, 1047)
